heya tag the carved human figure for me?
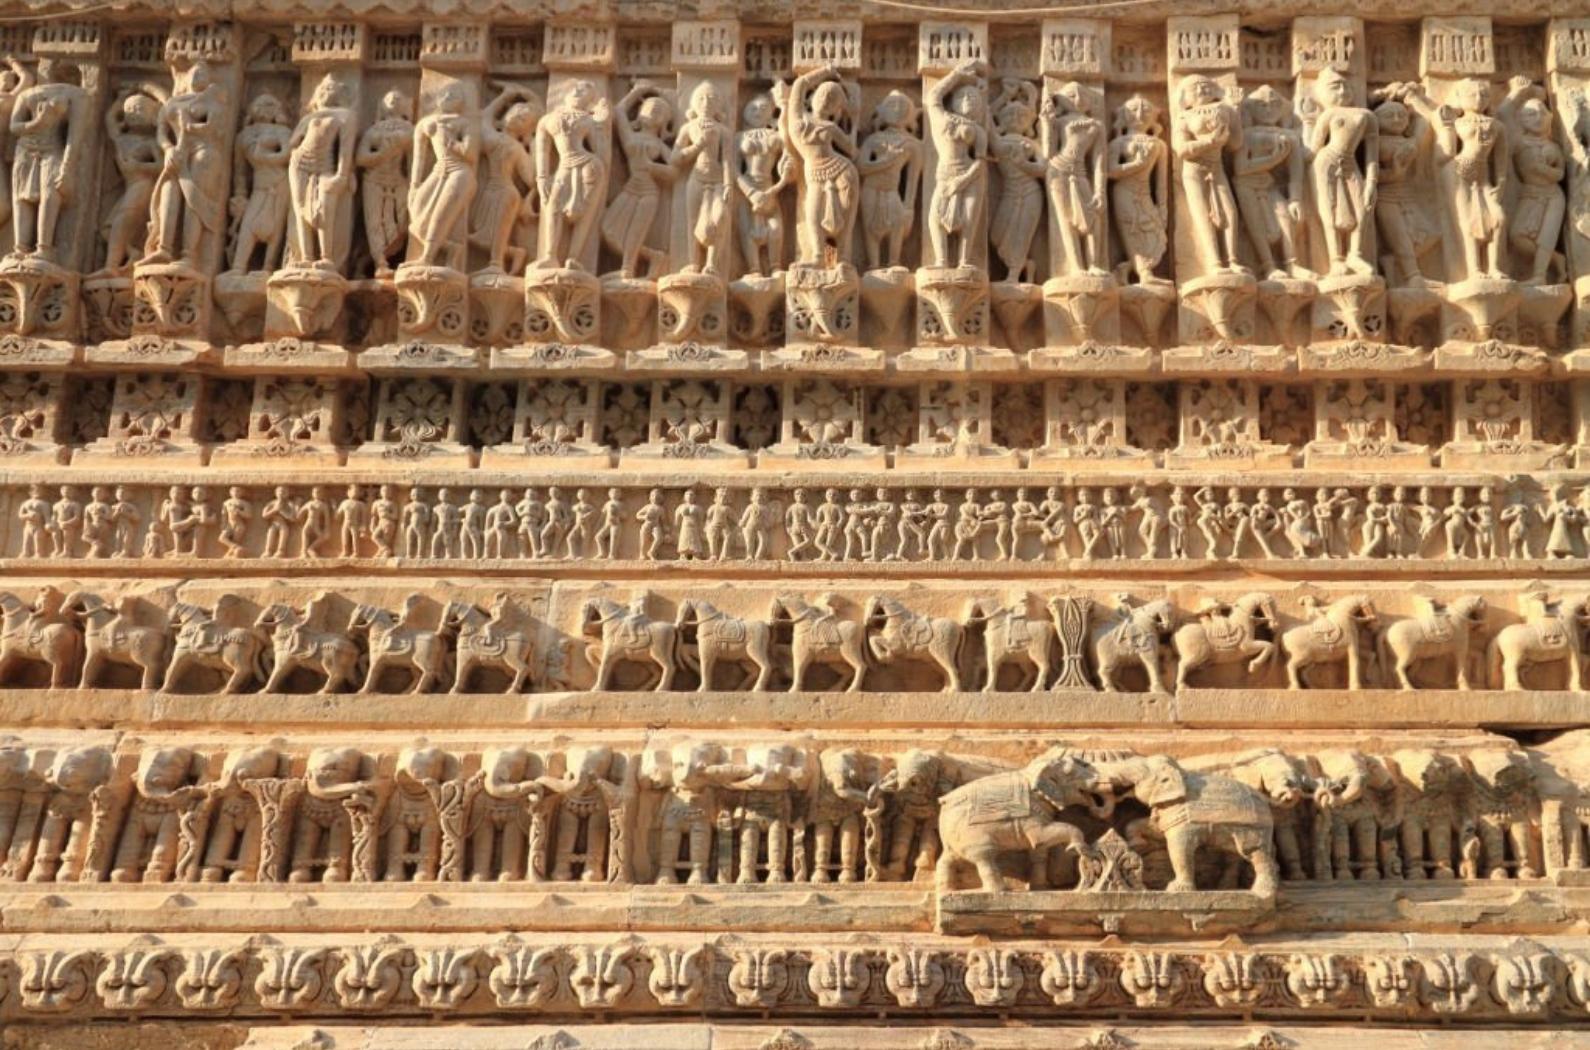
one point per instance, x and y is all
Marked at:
(890, 165)
(446, 153)
(34, 516)
(130, 129)
(46, 118)
(385, 515)
(417, 522)
(1018, 157)
(764, 175)
(1475, 157)
(385, 153)
(323, 839)
(189, 194)
(957, 119)
(1138, 165)
(815, 125)
(1535, 219)
(505, 205)
(320, 174)
(1074, 142)
(235, 845)
(644, 119)
(705, 147)
(1267, 174)
(1345, 187)
(756, 521)
(1204, 128)
(1401, 218)
(611, 525)
(260, 197)
(571, 174)
(162, 788)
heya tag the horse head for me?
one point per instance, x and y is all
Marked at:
(1361, 609)
(82, 604)
(459, 615)
(594, 613)
(365, 617)
(1470, 608)
(1259, 607)
(277, 615)
(1160, 615)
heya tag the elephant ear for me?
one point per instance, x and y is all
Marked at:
(1166, 784)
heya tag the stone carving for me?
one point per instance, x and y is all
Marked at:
(1016, 811)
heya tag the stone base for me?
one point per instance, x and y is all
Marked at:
(1218, 307)
(1051, 913)
(426, 455)
(1533, 455)
(260, 455)
(1342, 456)
(1081, 308)
(580, 459)
(303, 301)
(1108, 359)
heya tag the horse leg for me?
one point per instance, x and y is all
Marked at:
(852, 654)
(604, 670)
(798, 659)
(1294, 668)
(279, 671)
(1265, 651)
(1106, 672)
(759, 654)
(709, 660)
(1156, 684)
(952, 674)
(995, 662)
(91, 664)
(1040, 663)
(240, 674)
(373, 675)
(520, 669)
(1355, 679)
(174, 671)
(466, 667)
(660, 652)
(150, 663)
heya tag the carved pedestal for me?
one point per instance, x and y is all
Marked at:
(562, 305)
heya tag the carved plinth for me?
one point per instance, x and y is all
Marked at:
(1282, 301)
(1366, 453)
(1093, 359)
(1081, 308)
(952, 306)
(303, 301)
(108, 306)
(288, 354)
(1014, 303)
(241, 298)
(692, 307)
(39, 299)
(555, 423)
(1540, 314)
(171, 299)
(628, 304)
(433, 303)
(1090, 913)
(1491, 357)
(888, 294)
(562, 305)
(1349, 306)
(1218, 307)
(1481, 308)
(756, 309)
(1143, 310)
(154, 416)
(822, 304)
(1352, 357)
(1415, 315)
(1504, 455)
(496, 309)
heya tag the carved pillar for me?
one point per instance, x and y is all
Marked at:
(689, 420)
(1568, 75)
(1330, 72)
(556, 424)
(304, 298)
(952, 284)
(573, 160)
(1081, 296)
(820, 123)
(432, 284)
(1493, 427)
(188, 213)
(692, 302)
(153, 415)
(1085, 424)
(955, 420)
(1217, 293)
(39, 280)
(1219, 424)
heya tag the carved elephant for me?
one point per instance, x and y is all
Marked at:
(1189, 809)
(1013, 811)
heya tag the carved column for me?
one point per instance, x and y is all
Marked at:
(573, 160)
(188, 213)
(432, 284)
(1217, 293)
(692, 301)
(39, 281)
(1081, 296)
(952, 284)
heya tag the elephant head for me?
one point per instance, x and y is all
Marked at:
(1063, 779)
(1154, 780)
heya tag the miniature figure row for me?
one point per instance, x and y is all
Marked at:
(985, 201)
(881, 525)
(879, 642)
(1537, 979)
(705, 812)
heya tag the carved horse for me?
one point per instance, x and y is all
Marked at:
(1133, 638)
(905, 635)
(106, 641)
(296, 644)
(1223, 638)
(482, 645)
(618, 634)
(1009, 634)
(23, 637)
(1330, 635)
(1440, 632)
(394, 643)
(1553, 638)
(202, 642)
(721, 636)
(819, 636)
